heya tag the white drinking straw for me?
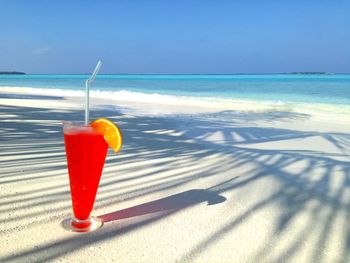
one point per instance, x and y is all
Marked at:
(87, 87)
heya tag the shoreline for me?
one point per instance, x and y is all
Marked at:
(171, 103)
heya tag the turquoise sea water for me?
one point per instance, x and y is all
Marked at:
(326, 89)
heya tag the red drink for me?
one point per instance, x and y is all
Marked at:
(86, 152)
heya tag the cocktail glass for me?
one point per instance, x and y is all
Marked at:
(86, 151)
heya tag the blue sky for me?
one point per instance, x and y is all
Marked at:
(183, 36)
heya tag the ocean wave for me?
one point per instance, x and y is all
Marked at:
(152, 98)
(188, 101)
(124, 95)
(43, 91)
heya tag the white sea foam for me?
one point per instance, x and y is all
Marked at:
(42, 91)
(137, 97)
(186, 101)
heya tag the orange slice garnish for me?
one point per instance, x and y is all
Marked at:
(110, 131)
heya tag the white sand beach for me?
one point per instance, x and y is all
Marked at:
(190, 184)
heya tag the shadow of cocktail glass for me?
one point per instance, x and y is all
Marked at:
(166, 205)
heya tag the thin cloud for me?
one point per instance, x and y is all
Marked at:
(41, 50)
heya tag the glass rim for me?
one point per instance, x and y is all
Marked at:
(75, 126)
(75, 123)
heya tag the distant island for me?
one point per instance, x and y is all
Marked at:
(310, 73)
(11, 73)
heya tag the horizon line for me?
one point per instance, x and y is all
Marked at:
(237, 73)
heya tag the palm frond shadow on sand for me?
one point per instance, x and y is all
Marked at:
(293, 192)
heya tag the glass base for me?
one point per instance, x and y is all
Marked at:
(76, 225)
